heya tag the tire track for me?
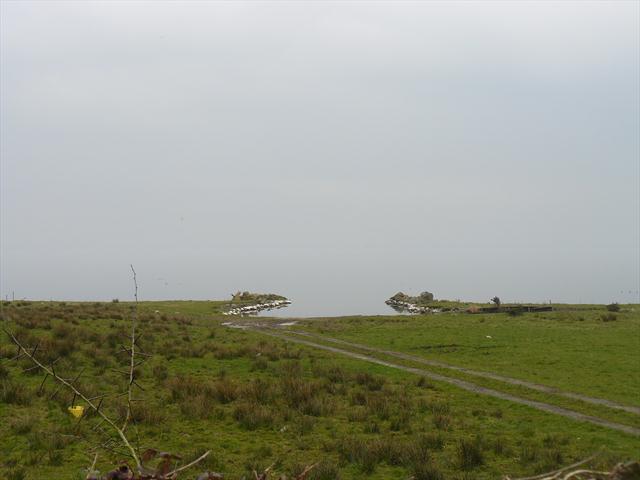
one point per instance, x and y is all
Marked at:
(463, 384)
(493, 376)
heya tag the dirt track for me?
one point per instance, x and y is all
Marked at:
(465, 385)
(513, 381)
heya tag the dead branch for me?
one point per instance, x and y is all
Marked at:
(92, 473)
(188, 465)
(265, 474)
(569, 473)
(163, 470)
(51, 372)
(592, 475)
(132, 353)
(306, 471)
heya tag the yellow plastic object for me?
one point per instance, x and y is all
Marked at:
(77, 411)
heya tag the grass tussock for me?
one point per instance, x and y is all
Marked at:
(205, 382)
(469, 453)
(252, 416)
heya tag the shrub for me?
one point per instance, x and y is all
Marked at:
(259, 391)
(325, 470)
(426, 471)
(371, 427)
(400, 422)
(357, 415)
(608, 317)
(160, 372)
(529, 453)
(499, 446)
(147, 414)
(550, 460)
(372, 382)
(613, 307)
(351, 449)
(469, 453)
(358, 397)
(555, 439)
(392, 451)
(14, 393)
(438, 407)
(423, 382)
(253, 416)
(333, 373)
(305, 425)
(298, 391)
(182, 387)
(22, 424)
(442, 422)
(379, 406)
(259, 364)
(317, 406)
(63, 347)
(497, 413)
(62, 331)
(101, 361)
(431, 440)
(55, 457)
(226, 391)
(17, 473)
(416, 452)
(198, 406)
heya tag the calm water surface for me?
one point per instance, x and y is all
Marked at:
(306, 307)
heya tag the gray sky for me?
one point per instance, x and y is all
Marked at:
(321, 150)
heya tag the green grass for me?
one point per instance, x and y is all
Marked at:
(255, 400)
(567, 349)
(584, 407)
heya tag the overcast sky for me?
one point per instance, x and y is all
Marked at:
(326, 150)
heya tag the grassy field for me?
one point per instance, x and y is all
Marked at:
(572, 349)
(255, 400)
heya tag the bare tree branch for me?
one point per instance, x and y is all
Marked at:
(132, 353)
(306, 471)
(52, 373)
(92, 469)
(556, 474)
(188, 465)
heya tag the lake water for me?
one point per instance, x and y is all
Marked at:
(315, 308)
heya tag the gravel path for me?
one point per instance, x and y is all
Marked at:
(465, 385)
(513, 381)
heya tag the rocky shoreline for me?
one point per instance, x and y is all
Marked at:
(253, 309)
(425, 303)
(403, 306)
(401, 302)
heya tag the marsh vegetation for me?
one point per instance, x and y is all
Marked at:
(255, 400)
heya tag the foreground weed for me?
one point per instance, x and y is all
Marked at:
(469, 453)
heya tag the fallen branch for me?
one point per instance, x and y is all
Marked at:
(91, 472)
(622, 471)
(189, 465)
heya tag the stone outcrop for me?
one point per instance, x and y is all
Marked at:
(246, 303)
(405, 303)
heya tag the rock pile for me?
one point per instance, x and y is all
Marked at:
(252, 309)
(403, 302)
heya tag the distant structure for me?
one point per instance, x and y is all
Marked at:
(426, 297)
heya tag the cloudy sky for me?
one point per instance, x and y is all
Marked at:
(321, 150)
